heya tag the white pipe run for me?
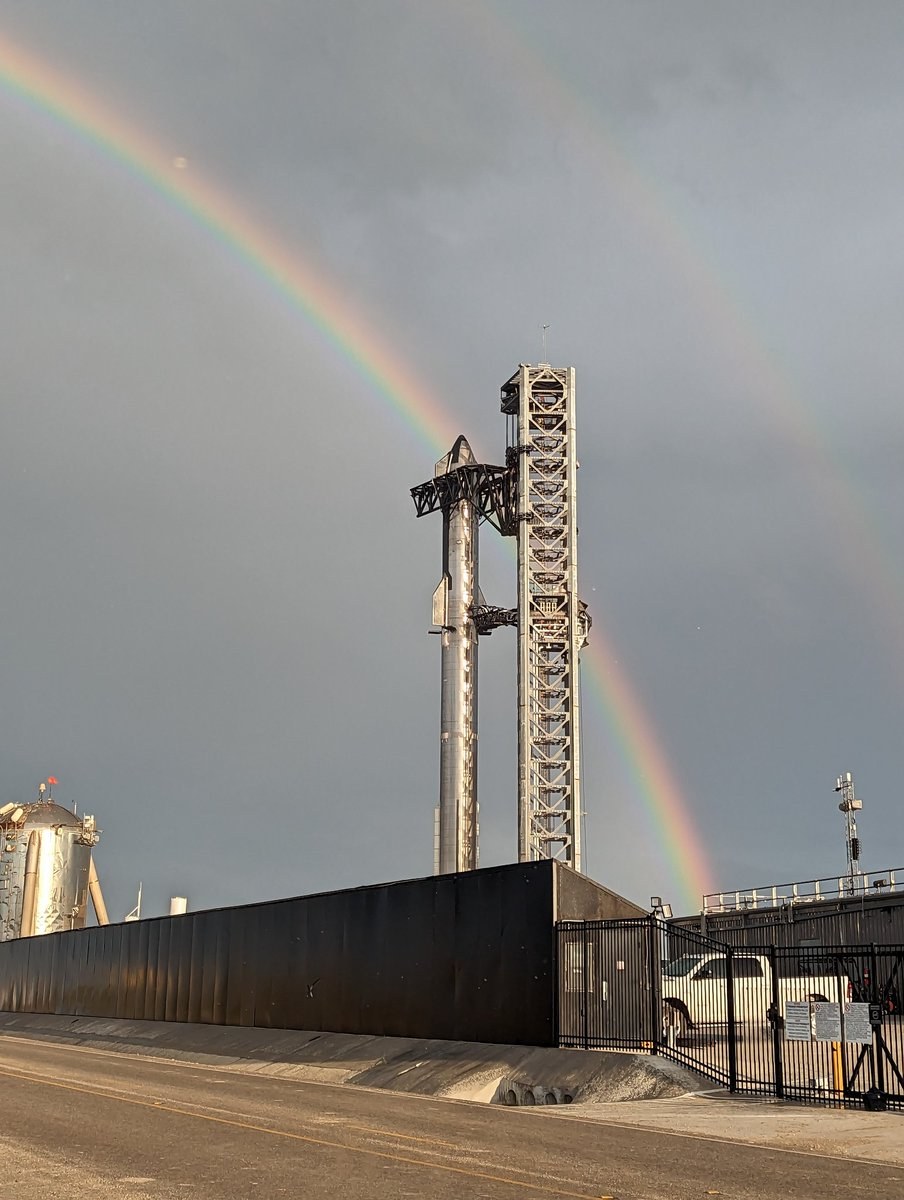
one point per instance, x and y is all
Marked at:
(30, 887)
(97, 896)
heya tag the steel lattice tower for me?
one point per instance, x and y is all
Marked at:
(552, 621)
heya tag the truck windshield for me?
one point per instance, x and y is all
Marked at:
(682, 966)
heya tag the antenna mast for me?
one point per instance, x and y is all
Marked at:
(849, 805)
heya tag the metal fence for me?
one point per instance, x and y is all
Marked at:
(815, 1023)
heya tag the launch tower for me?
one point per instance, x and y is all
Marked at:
(553, 622)
(531, 498)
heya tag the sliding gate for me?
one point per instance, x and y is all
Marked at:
(822, 1024)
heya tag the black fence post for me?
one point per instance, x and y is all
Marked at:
(875, 998)
(556, 986)
(655, 989)
(732, 1021)
(585, 992)
(775, 1020)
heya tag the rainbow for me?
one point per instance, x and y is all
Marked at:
(46, 93)
(649, 769)
(730, 328)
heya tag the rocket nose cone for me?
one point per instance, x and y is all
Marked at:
(460, 455)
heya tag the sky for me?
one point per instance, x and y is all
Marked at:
(221, 376)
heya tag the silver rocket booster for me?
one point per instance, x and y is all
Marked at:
(453, 606)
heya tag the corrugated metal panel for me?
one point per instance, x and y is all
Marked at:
(457, 956)
(858, 922)
(466, 956)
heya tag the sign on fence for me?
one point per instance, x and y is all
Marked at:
(746, 1016)
(797, 1021)
(857, 1027)
(826, 1021)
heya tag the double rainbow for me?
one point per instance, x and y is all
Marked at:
(46, 92)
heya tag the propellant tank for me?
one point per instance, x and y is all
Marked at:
(45, 867)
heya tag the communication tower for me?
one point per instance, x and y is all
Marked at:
(849, 805)
(552, 621)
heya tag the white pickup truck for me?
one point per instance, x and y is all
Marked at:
(695, 990)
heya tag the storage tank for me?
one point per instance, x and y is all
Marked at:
(45, 860)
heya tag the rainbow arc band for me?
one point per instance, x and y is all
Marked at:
(45, 92)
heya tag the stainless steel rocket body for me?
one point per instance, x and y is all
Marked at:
(467, 493)
(457, 848)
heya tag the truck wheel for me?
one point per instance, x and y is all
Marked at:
(674, 1020)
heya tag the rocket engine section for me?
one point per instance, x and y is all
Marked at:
(45, 864)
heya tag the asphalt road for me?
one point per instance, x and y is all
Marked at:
(85, 1123)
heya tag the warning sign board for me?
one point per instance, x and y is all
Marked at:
(797, 1020)
(827, 1021)
(857, 1027)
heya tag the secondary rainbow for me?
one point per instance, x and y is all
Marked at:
(46, 92)
(730, 328)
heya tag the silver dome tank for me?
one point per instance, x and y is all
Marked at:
(45, 858)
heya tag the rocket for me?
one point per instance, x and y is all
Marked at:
(453, 605)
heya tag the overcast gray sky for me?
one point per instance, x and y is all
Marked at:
(214, 592)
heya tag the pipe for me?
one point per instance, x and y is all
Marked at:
(97, 896)
(30, 887)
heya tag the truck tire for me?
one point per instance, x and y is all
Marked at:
(675, 1016)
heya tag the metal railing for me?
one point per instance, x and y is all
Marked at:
(813, 1023)
(779, 895)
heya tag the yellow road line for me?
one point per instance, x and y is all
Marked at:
(411, 1137)
(158, 1106)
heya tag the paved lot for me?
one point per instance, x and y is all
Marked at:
(88, 1123)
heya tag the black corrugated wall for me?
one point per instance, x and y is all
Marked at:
(465, 956)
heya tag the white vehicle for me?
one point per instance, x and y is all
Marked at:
(695, 990)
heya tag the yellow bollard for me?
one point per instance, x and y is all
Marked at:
(837, 1067)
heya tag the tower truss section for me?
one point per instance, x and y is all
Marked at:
(552, 622)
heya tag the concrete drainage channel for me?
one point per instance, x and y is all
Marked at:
(514, 1076)
(514, 1094)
